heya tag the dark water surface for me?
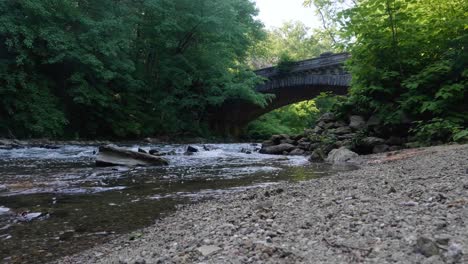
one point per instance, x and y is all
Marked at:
(55, 202)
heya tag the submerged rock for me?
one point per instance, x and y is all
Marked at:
(114, 156)
(341, 155)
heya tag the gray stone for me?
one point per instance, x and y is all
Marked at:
(426, 246)
(341, 130)
(380, 148)
(372, 141)
(357, 122)
(278, 149)
(318, 130)
(327, 117)
(208, 250)
(374, 121)
(3, 188)
(288, 141)
(268, 143)
(454, 253)
(114, 156)
(304, 145)
(317, 156)
(340, 156)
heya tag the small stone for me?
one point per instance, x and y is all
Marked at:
(426, 247)
(208, 250)
(142, 151)
(392, 190)
(454, 253)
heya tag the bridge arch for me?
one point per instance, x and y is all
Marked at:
(303, 81)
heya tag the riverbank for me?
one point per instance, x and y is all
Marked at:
(409, 207)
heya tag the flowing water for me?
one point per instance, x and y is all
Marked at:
(55, 202)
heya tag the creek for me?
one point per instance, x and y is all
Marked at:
(55, 202)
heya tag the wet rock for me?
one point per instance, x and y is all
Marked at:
(380, 148)
(246, 151)
(208, 250)
(191, 149)
(3, 188)
(206, 148)
(4, 210)
(426, 246)
(297, 152)
(357, 122)
(278, 149)
(114, 156)
(340, 156)
(142, 150)
(276, 139)
(153, 151)
(27, 216)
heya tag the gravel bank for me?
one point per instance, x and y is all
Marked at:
(411, 207)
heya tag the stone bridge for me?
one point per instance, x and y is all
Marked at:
(297, 82)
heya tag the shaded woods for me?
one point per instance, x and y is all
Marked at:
(108, 68)
(122, 69)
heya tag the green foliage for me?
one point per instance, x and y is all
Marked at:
(124, 69)
(439, 131)
(293, 41)
(291, 119)
(409, 60)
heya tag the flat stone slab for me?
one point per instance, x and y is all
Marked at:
(208, 250)
(110, 155)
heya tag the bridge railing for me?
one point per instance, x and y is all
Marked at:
(325, 60)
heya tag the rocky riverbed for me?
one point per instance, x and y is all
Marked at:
(409, 206)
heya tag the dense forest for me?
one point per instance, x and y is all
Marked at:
(122, 69)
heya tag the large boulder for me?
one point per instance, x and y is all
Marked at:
(278, 149)
(357, 122)
(297, 152)
(110, 155)
(340, 156)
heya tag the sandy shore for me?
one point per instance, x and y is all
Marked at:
(408, 207)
